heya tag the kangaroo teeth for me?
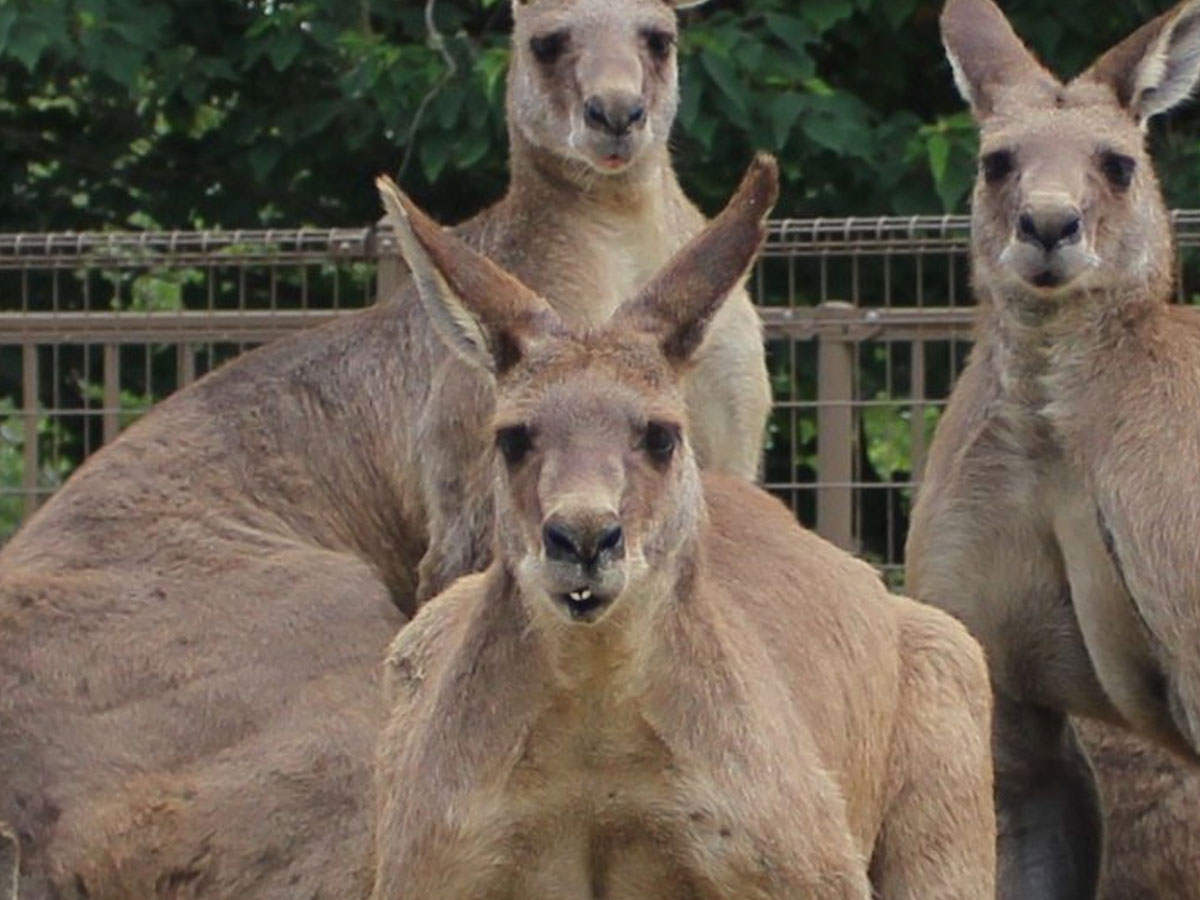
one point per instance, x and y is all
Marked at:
(585, 594)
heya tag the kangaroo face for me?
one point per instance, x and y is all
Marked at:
(594, 81)
(1065, 198)
(599, 483)
(1066, 205)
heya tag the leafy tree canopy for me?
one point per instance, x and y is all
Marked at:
(248, 113)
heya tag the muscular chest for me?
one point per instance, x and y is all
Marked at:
(611, 261)
(596, 806)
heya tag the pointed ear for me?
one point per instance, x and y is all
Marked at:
(480, 310)
(678, 303)
(1156, 67)
(985, 53)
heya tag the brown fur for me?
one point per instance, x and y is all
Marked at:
(663, 687)
(1151, 798)
(181, 619)
(1058, 510)
(10, 863)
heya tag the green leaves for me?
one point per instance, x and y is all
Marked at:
(242, 112)
(949, 145)
(824, 14)
(261, 112)
(26, 34)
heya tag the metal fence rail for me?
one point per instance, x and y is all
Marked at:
(867, 321)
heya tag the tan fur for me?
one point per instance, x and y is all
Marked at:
(181, 619)
(663, 687)
(1059, 508)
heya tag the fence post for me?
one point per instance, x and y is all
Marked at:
(185, 365)
(917, 412)
(112, 392)
(390, 269)
(29, 400)
(835, 436)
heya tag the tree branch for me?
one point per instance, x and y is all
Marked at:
(438, 41)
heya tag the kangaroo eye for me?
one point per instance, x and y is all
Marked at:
(547, 48)
(997, 166)
(1118, 169)
(658, 42)
(514, 443)
(660, 441)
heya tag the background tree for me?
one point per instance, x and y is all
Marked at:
(240, 113)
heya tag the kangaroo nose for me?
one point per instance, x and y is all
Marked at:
(1050, 228)
(616, 115)
(582, 543)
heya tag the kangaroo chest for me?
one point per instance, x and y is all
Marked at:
(597, 806)
(611, 260)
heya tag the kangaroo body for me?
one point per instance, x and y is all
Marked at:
(662, 687)
(1057, 510)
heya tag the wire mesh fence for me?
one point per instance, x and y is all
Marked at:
(867, 322)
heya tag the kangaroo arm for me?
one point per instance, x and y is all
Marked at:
(1148, 510)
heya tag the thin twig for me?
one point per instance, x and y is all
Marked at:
(438, 41)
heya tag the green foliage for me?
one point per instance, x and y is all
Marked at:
(158, 290)
(888, 429)
(132, 405)
(53, 470)
(118, 113)
(240, 113)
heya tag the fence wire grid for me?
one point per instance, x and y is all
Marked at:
(867, 323)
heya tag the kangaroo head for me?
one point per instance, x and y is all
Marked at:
(594, 82)
(596, 488)
(1066, 203)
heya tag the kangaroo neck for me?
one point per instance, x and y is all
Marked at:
(553, 186)
(587, 241)
(630, 649)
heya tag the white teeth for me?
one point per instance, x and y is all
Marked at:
(585, 594)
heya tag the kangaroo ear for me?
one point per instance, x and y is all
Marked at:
(1156, 67)
(985, 53)
(678, 303)
(480, 310)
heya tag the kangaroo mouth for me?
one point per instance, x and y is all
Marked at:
(583, 604)
(612, 154)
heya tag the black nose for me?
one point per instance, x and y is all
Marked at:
(582, 544)
(616, 115)
(1050, 228)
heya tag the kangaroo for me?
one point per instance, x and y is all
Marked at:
(179, 620)
(1057, 514)
(1150, 798)
(662, 687)
(593, 211)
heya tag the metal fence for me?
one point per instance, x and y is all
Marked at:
(867, 321)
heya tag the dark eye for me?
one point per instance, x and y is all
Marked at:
(547, 48)
(1118, 169)
(660, 441)
(658, 42)
(997, 166)
(514, 442)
